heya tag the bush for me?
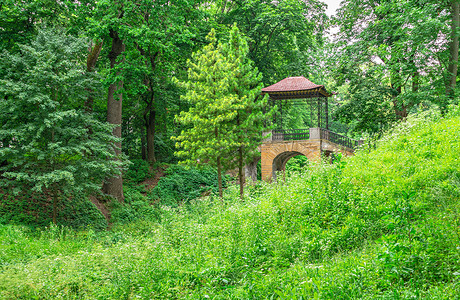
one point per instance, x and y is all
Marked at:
(33, 210)
(183, 184)
(138, 171)
(136, 207)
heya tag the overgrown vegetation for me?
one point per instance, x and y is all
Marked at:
(183, 184)
(35, 211)
(383, 224)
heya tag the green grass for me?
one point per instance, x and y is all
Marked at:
(384, 224)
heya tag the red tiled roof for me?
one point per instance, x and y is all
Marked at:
(292, 84)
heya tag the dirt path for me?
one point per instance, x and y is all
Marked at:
(150, 183)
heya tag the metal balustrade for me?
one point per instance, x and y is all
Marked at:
(304, 134)
(338, 138)
(290, 134)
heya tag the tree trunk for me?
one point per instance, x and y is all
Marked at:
(251, 169)
(399, 108)
(219, 177)
(240, 171)
(114, 186)
(54, 209)
(91, 60)
(143, 142)
(150, 126)
(415, 82)
(454, 47)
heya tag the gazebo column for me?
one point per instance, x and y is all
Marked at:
(318, 102)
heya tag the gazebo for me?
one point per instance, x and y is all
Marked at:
(298, 91)
(313, 142)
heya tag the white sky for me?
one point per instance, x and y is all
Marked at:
(332, 5)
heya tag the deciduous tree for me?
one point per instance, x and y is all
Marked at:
(46, 138)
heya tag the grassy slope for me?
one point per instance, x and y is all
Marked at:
(385, 224)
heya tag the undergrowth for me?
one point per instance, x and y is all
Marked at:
(35, 211)
(384, 224)
(182, 184)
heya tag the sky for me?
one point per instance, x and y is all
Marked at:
(332, 5)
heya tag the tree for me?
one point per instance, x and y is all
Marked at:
(113, 185)
(18, 20)
(452, 69)
(108, 18)
(46, 138)
(278, 32)
(246, 85)
(160, 42)
(206, 138)
(391, 53)
(225, 119)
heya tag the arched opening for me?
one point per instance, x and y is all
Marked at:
(279, 162)
(297, 163)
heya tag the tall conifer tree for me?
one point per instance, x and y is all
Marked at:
(246, 85)
(207, 139)
(226, 120)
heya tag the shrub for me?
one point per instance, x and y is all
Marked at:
(183, 184)
(33, 210)
(138, 171)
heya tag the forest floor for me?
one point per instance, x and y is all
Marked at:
(151, 182)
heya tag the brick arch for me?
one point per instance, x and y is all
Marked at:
(279, 162)
(275, 155)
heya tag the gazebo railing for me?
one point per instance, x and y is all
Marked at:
(314, 133)
(290, 134)
(338, 139)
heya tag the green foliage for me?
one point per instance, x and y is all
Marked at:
(226, 116)
(183, 184)
(34, 210)
(297, 163)
(211, 108)
(381, 225)
(139, 170)
(381, 54)
(18, 20)
(281, 35)
(137, 207)
(48, 142)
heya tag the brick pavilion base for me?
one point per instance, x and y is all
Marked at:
(275, 154)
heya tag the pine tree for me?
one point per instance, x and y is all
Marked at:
(246, 85)
(206, 138)
(225, 119)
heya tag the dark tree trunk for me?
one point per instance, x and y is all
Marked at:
(415, 82)
(91, 60)
(240, 159)
(399, 108)
(143, 143)
(454, 47)
(219, 167)
(150, 126)
(54, 210)
(114, 186)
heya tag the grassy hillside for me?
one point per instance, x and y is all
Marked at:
(383, 224)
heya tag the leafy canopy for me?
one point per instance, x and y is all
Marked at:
(48, 140)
